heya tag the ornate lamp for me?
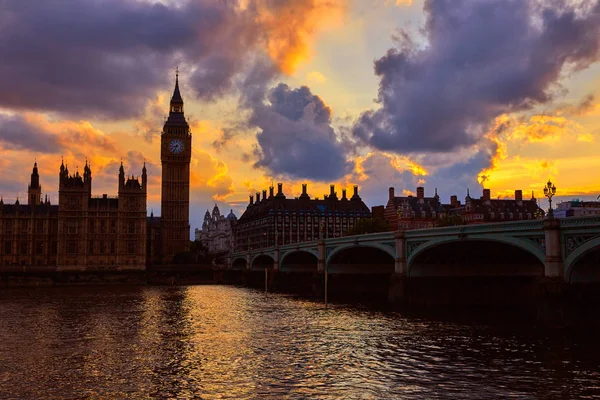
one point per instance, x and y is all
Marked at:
(549, 192)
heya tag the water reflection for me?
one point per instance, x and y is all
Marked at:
(223, 342)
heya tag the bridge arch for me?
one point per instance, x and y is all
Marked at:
(386, 249)
(577, 264)
(262, 261)
(239, 263)
(299, 260)
(533, 256)
(370, 258)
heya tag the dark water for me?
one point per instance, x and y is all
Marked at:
(216, 342)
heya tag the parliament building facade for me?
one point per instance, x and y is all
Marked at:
(86, 233)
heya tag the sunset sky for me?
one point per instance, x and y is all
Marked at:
(447, 94)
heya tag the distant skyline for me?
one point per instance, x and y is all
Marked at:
(444, 94)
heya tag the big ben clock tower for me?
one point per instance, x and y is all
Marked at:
(175, 154)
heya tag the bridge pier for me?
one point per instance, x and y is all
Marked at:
(552, 286)
(276, 260)
(551, 299)
(396, 289)
(554, 262)
(397, 280)
(321, 258)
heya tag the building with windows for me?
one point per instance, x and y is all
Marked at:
(82, 232)
(217, 230)
(417, 212)
(274, 219)
(576, 208)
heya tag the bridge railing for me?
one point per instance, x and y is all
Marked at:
(491, 227)
(580, 222)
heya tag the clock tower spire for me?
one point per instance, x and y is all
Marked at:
(175, 155)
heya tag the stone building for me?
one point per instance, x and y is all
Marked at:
(82, 232)
(576, 208)
(175, 156)
(217, 230)
(276, 220)
(417, 212)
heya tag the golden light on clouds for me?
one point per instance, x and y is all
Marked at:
(531, 151)
(399, 2)
(290, 28)
(536, 132)
(209, 175)
(316, 77)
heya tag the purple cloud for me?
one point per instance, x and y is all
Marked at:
(483, 58)
(296, 139)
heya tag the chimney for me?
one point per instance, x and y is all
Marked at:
(518, 195)
(391, 190)
(355, 196)
(279, 189)
(344, 194)
(420, 192)
(264, 195)
(258, 197)
(271, 192)
(453, 201)
(486, 194)
(251, 199)
(304, 195)
(332, 191)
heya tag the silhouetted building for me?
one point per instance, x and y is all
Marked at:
(175, 156)
(417, 212)
(378, 212)
(276, 220)
(82, 232)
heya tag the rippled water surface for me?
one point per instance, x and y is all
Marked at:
(216, 342)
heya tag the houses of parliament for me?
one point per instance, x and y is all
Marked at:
(85, 233)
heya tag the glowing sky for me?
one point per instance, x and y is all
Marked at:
(450, 94)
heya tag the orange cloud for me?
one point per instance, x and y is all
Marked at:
(290, 28)
(209, 175)
(547, 130)
(75, 136)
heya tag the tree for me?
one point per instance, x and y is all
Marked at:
(369, 225)
(451, 220)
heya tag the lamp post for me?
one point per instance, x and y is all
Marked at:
(549, 192)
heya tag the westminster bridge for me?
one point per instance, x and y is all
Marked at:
(557, 252)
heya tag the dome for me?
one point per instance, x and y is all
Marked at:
(231, 216)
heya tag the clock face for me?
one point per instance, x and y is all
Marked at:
(176, 146)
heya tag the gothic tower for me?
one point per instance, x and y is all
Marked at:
(34, 191)
(175, 154)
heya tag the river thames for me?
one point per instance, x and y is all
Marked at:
(219, 342)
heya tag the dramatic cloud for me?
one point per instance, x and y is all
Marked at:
(214, 180)
(296, 138)
(106, 58)
(483, 59)
(36, 133)
(19, 134)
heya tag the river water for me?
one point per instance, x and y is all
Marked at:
(219, 342)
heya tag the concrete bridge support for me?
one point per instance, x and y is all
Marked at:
(398, 278)
(552, 286)
(322, 256)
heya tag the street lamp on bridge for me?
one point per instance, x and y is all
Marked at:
(549, 192)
